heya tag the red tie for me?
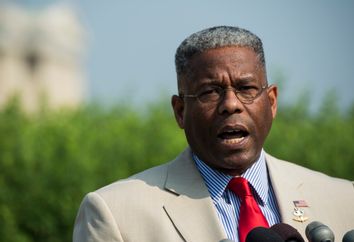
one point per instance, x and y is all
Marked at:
(251, 215)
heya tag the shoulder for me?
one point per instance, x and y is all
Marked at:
(140, 195)
(150, 180)
(295, 172)
(117, 206)
(330, 199)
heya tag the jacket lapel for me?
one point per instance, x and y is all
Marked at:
(288, 188)
(192, 211)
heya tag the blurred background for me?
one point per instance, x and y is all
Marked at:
(85, 87)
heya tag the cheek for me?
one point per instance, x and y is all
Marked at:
(198, 113)
(262, 117)
(198, 120)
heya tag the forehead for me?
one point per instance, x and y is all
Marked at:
(228, 58)
(225, 64)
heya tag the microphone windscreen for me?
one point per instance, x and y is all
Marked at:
(287, 232)
(261, 234)
(318, 232)
(349, 236)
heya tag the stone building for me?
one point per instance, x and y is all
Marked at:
(41, 53)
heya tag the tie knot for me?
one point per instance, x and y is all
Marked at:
(240, 187)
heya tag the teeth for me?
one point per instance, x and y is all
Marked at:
(233, 141)
(232, 134)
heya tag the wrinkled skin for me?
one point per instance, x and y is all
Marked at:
(205, 124)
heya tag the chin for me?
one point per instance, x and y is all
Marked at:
(239, 161)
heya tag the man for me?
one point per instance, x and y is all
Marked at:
(226, 107)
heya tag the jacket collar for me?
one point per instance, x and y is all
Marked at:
(192, 208)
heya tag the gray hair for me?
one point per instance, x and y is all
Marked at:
(216, 37)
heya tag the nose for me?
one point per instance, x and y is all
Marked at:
(230, 102)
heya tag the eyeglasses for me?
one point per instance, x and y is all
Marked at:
(213, 94)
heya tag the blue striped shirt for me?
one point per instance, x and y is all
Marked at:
(228, 204)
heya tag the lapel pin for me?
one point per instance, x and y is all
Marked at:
(300, 204)
(298, 212)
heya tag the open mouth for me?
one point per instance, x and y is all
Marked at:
(233, 135)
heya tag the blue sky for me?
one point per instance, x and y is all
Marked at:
(131, 44)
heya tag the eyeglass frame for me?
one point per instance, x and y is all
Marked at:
(222, 96)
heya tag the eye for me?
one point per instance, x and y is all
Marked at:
(248, 91)
(210, 94)
(246, 88)
(211, 90)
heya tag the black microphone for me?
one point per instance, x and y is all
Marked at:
(349, 236)
(287, 232)
(261, 234)
(318, 232)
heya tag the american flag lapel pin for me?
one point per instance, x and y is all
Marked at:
(299, 213)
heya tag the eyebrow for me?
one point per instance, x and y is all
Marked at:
(245, 81)
(241, 80)
(246, 78)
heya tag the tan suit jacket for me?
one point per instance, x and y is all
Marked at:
(171, 203)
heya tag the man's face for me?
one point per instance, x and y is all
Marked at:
(227, 135)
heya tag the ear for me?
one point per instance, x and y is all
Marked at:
(273, 99)
(178, 108)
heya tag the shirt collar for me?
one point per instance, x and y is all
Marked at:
(217, 181)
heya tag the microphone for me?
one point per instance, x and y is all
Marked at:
(318, 232)
(287, 232)
(261, 234)
(226, 240)
(349, 236)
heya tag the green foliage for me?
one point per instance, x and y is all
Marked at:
(50, 160)
(322, 141)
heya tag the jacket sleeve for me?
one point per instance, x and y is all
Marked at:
(94, 222)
